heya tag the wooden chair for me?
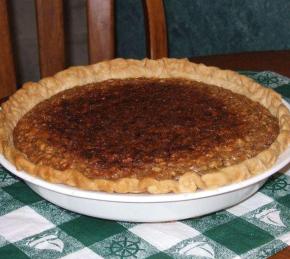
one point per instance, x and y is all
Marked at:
(101, 41)
(101, 36)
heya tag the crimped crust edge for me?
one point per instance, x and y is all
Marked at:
(33, 93)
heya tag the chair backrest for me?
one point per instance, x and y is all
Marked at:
(101, 36)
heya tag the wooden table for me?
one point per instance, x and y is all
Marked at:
(277, 61)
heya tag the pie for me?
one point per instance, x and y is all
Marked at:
(146, 126)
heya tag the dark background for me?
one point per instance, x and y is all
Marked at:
(195, 27)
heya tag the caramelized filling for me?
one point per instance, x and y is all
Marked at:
(157, 128)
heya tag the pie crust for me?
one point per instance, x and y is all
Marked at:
(33, 93)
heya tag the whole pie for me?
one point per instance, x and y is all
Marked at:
(131, 126)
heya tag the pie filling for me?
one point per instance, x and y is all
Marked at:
(158, 128)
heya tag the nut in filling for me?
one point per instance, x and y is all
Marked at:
(140, 128)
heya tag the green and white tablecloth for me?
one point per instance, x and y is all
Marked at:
(31, 227)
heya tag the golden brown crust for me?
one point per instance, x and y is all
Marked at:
(33, 93)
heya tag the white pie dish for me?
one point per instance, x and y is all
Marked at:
(147, 207)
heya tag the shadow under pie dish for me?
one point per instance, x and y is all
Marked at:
(147, 126)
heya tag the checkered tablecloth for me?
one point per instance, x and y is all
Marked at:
(31, 227)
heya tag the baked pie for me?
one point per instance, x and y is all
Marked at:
(131, 126)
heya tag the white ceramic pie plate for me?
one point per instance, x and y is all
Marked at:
(147, 207)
